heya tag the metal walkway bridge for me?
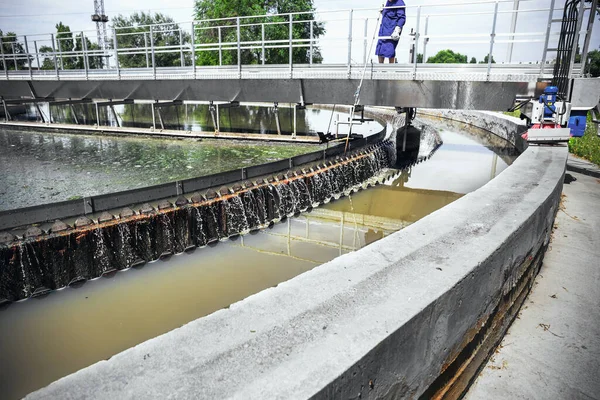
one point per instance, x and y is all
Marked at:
(250, 55)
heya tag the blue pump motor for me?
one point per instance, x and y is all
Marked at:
(549, 98)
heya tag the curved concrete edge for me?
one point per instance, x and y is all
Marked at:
(386, 321)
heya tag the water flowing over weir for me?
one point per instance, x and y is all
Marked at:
(43, 261)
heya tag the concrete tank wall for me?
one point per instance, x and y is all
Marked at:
(412, 315)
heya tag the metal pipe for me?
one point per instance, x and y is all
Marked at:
(513, 27)
(492, 37)
(416, 48)
(37, 106)
(112, 108)
(350, 13)
(97, 114)
(12, 46)
(277, 123)
(547, 39)
(294, 132)
(6, 114)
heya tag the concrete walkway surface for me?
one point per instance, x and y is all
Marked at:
(552, 349)
(582, 166)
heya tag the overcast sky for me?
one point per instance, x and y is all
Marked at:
(33, 17)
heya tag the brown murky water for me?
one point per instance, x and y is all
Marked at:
(44, 339)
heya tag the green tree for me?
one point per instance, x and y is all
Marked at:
(473, 60)
(134, 32)
(276, 28)
(65, 45)
(593, 64)
(419, 57)
(447, 57)
(48, 59)
(10, 45)
(486, 59)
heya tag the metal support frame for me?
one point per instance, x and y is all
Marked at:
(417, 36)
(97, 114)
(74, 113)
(547, 39)
(212, 110)
(588, 36)
(160, 118)
(513, 27)
(62, 62)
(39, 110)
(112, 108)
(6, 113)
(153, 117)
(277, 123)
(295, 120)
(492, 41)
(54, 54)
(12, 46)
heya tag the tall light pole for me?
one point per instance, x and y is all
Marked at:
(100, 19)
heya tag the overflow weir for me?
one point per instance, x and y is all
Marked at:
(113, 235)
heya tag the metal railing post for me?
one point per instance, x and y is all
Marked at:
(12, 46)
(262, 41)
(28, 57)
(312, 38)
(146, 50)
(193, 39)
(37, 55)
(85, 58)
(291, 54)
(116, 50)
(62, 63)
(3, 58)
(349, 65)
(152, 52)
(425, 39)
(220, 48)
(366, 33)
(181, 47)
(492, 40)
(239, 48)
(54, 56)
(547, 39)
(416, 48)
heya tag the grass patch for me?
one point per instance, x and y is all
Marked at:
(587, 146)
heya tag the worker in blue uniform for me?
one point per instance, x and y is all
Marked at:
(392, 21)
